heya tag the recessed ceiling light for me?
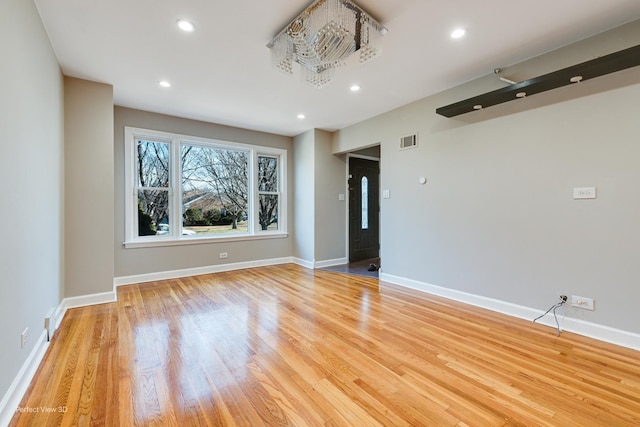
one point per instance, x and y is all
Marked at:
(354, 88)
(458, 33)
(165, 83)
(186, 25)
(301, 116)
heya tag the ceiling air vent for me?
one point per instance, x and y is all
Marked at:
(410, 141)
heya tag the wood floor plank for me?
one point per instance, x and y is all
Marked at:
(284, 345)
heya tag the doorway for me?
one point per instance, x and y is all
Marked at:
(364, 209)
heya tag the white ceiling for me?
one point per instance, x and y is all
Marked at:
(222, 72)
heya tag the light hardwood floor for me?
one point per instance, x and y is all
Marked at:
(284, 345)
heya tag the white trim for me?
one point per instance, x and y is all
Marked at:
(330, 262)
(80, 301)
(361, 156)
(347, 240)
(58, 315)
(588, 329)
(204, 240)
(196, 271)
(85, 300)
(603, 333)
(175, 141)
(320, 264)
(281, 156)
(20, 384)
(303, 263)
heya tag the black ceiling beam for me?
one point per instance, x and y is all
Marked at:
(607, 64)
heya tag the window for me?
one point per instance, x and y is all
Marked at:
(215, 189)
(364, 197)
(152, 189)
(186, 189)
(268, 196)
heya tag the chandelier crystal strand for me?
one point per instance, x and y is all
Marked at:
(318, 78)
(282, 55)
(322, 37)
(370, 41)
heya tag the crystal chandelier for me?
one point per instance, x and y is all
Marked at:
(323, 36)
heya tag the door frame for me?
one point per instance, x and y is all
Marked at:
(348, 239)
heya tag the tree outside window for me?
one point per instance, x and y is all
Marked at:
(268, 196)
(187, 187)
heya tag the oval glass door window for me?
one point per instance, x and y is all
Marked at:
(365, 202)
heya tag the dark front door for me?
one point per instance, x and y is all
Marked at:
(364, 212)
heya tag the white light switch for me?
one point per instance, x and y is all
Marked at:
(341, 197)
(584, 193)
(385, 194)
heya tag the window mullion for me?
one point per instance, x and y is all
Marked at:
(253, 193)
(131, 208)
(175, 189)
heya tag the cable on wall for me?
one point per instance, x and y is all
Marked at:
(554, 307)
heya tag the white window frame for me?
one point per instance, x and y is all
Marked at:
(175, 237)
(257, 192)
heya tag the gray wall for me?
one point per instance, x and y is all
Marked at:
(88, 187)
(330, 213)
(496, 217)
(319, 217)
(31, 182)
(303, 196)
(130, 262)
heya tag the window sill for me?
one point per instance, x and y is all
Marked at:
(202, 240)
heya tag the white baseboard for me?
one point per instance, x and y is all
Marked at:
(58, 314)
(319, 264)
(196, 271)
(330, 262)
(20, 384)
(83, 301)
(18, 388)
(302, 262)
(588, 329)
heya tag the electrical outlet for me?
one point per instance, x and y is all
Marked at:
(582, 302)
(23, 337)
(223, 255)
(563, 298)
